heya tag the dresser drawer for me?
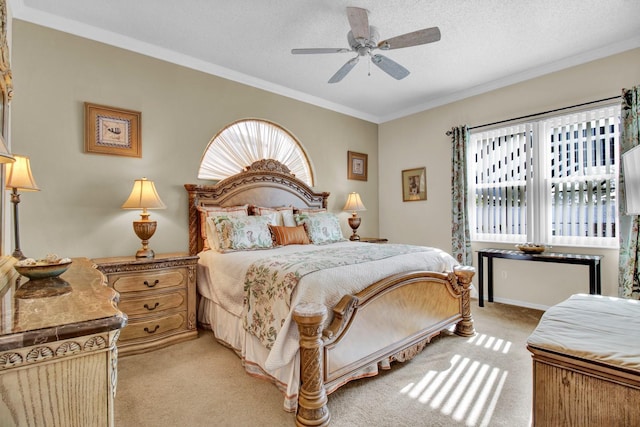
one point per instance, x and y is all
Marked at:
(153, 327)
(152, 304)
(134, 282)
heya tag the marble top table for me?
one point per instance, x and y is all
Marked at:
(78, 303)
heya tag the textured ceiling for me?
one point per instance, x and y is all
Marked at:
(485, 44)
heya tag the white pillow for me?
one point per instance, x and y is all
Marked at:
(284, 215)
(287, 218)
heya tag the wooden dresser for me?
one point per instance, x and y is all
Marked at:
(159, 297)
(58, 354)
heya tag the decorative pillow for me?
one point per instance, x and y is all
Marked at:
(283, 235)
(209, 236)
(242, 233)
(284, 215)
(323, 227)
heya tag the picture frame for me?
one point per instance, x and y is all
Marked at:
(357, 167)
(414, 184)
(114, 131)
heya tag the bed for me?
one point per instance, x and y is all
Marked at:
(346, 309)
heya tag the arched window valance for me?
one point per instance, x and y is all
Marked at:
(241, 143)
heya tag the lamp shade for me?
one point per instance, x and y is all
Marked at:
(143, 196)
(354, 203)
(19, 175)
(5, 155)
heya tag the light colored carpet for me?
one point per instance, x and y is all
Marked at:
(455, 381)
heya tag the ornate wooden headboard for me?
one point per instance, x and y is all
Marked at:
(266, 183)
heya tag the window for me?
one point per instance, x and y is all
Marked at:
(241, 143)
(550, 181)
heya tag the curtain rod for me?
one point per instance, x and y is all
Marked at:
(449, 133)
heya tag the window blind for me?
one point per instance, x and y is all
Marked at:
(245, 141)
(499, 182)
(582, 176)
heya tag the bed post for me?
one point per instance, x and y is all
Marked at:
(194, 219)
(312, 398)
(465, 326)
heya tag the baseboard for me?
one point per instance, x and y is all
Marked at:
(525, 304)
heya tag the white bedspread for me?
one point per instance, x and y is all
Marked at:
(221, 279)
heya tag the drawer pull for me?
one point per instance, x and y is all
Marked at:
(151, 332)
(152, 308)
(155, 282)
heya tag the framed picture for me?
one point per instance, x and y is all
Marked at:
(414, 184)
(110, 130)
(357, 166)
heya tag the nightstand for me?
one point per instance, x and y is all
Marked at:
(159, 297)
(373, 240)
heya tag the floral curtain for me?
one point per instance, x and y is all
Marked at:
(628, 279)
(460, 237)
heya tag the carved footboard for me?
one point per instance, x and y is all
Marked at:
(392, 319)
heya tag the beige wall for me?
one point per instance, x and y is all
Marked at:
(420, 140)
(78, 213)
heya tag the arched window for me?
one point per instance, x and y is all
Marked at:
(241, 143)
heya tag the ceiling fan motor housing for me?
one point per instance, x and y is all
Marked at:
(364, 46)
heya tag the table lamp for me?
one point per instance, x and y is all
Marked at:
(354, 204)
(19, 177)
(144, 196)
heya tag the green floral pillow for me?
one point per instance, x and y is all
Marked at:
(322, 227)
(244, 233)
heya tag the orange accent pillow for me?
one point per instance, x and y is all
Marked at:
(283, 236)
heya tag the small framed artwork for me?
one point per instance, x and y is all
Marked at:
(110, 130)
(414, 184)
(357, 166)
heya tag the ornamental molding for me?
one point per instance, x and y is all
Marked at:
(56, 350)
(269, 165)
(126, 267)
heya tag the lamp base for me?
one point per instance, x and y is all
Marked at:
(17, 254)
(354, 223)
(144, 230)
(145, 252)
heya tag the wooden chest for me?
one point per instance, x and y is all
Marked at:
(586, 363)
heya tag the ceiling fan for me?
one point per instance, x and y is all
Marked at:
(363, 39)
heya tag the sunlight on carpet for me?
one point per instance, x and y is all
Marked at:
(469, 390)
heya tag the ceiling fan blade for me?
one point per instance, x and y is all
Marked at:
(315, 50)
(415, 38)
(359, 22)
(390, 67)
(344, 70)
